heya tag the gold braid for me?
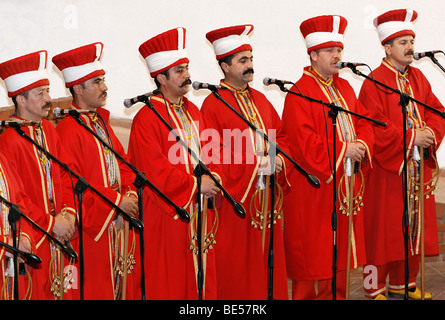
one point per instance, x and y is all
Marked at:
(256, 205)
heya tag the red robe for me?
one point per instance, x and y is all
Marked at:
(13, 192)
(100, 255)
(242, 266)
(170, 265)
(383, 220)
(23, 156)
(308, 230)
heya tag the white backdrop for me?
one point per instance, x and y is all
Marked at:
(279, 50)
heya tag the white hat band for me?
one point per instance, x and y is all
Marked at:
(317, 38)
(387, 29)
(24, 79)
(159, 60)
(71, 74)
(229, 43)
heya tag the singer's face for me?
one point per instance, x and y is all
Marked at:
(240, 71)
(36, 106)
(324, 61)
(178, 83)
(400, 52)
(94, 93)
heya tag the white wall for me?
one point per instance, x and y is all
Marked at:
(279, 50)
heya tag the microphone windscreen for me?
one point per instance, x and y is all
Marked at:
(196, 85)
(57, 112)
(127, 103)
(266, 81)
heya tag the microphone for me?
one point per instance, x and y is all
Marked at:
(202, 85)
(351, 65)
(58, 112)
(30, 257)
(419, 55)
(268, 81)
(142, 98)
(15, 124)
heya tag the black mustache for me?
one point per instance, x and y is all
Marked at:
(248, 71)
(186, 82)
(409, 53)
(47, 105)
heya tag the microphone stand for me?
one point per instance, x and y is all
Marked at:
(313, 180)
(274, 150)
(333, 112)
(14, 215)
(139, 182)
(431, 56)
(271, 256)
(79, 188)
(404, 101)
(238, 208)
(199, 170)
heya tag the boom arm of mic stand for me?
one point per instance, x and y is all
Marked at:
(313, 180)
(135, 222)
(333, 106)
(140, 177)
(359, 73)
(236, 206)
(15, 214)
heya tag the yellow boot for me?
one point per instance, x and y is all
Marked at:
(413, 293)
(380, 296)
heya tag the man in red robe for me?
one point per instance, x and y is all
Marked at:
(47, 185)
(308, 230)
(242, 248)
(384, 222)
(104, 230)
(11, 190)
(171, 248)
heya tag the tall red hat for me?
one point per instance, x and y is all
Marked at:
(164, 51)
(230, 40)
(25, 73)
(323, 32)
(395, 23)
(80, 64)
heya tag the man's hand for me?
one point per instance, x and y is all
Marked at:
(279, 165)
(266, 167)
(64, 227)
(129, 205)
(208, 186)
(24, 246)
(424, 138)
(356, 151)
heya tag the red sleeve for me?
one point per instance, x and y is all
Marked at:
(97, 213)
(312, 133)
(149, 149)
(16, 150)
(238, 167)
(309, 129)
(277, 134)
